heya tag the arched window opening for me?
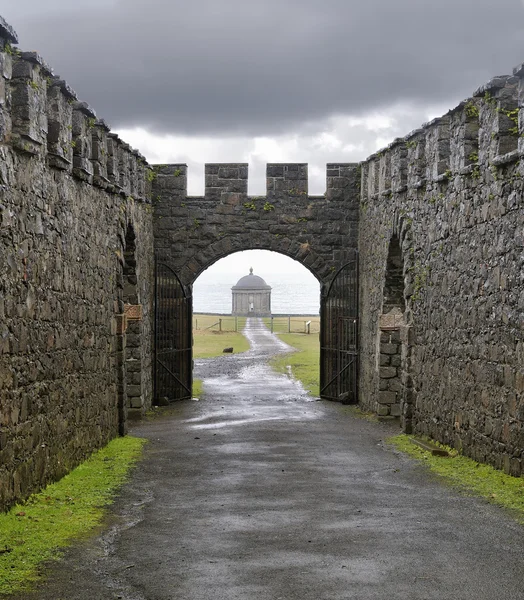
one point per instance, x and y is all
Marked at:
(131, 393)
(392, 331)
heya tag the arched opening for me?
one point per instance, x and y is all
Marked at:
(293, 311)
(256, 289)
(130, 393)
(392, 343)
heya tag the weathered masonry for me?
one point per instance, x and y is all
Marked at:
(99, 252)
(76, 249)
(442, 277)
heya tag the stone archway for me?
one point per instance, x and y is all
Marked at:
(320, 232)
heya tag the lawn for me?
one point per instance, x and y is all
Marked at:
(35, 531)
(304, 362)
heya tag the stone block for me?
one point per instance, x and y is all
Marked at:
(387, 397)
(387, 372)
(389, 348)
(394, 384)
(395, 410)
(396, 361)
(385, 360)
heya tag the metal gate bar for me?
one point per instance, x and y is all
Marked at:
(173, 372)
(339, 336)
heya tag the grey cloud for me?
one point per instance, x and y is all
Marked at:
(251, 68)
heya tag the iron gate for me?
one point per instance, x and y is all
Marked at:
(173, 337)
(339, 336)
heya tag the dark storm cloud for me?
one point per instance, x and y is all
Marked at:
(212, 66)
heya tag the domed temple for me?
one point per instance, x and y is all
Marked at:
(251, 297)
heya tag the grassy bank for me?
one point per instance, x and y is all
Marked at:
(470, 476)
(35, 531)
(304, 362)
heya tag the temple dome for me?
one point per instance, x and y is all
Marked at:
(251, 282)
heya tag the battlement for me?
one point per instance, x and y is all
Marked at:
(282, 180)
(41, 117)
(483, 132)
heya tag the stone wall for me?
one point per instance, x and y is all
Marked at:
(438, 218)
(191, 233)
(69, 192)
(451, 195)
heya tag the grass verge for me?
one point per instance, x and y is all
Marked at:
(304, 362)
(36, 530)
(470, 476)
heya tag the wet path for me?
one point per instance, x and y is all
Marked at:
(259, 492)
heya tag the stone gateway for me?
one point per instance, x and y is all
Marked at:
(419, 251)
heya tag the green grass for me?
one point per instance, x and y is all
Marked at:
(36, 530)
(467, 474)
(197, 388)
(207, 344)
(304, 363)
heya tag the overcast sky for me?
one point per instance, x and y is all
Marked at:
(270, 81)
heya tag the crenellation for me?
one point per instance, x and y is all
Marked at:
(372, 177)
(133, 172)
(6, 64)
(384, 172)
(464, 136)
(416, 145)
(113, 168)
(437, 149)
(399, 166)
(286, 179)
(7, 34)
(142, 170)
(519, 73)
(99, 153)
(169, 181)
(60, 125)
(124, 165)
(224, 178)
(84, 119)
(29, 103)
(499, 119)
(342, 182)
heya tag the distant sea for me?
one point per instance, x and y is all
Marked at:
(290, 295)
